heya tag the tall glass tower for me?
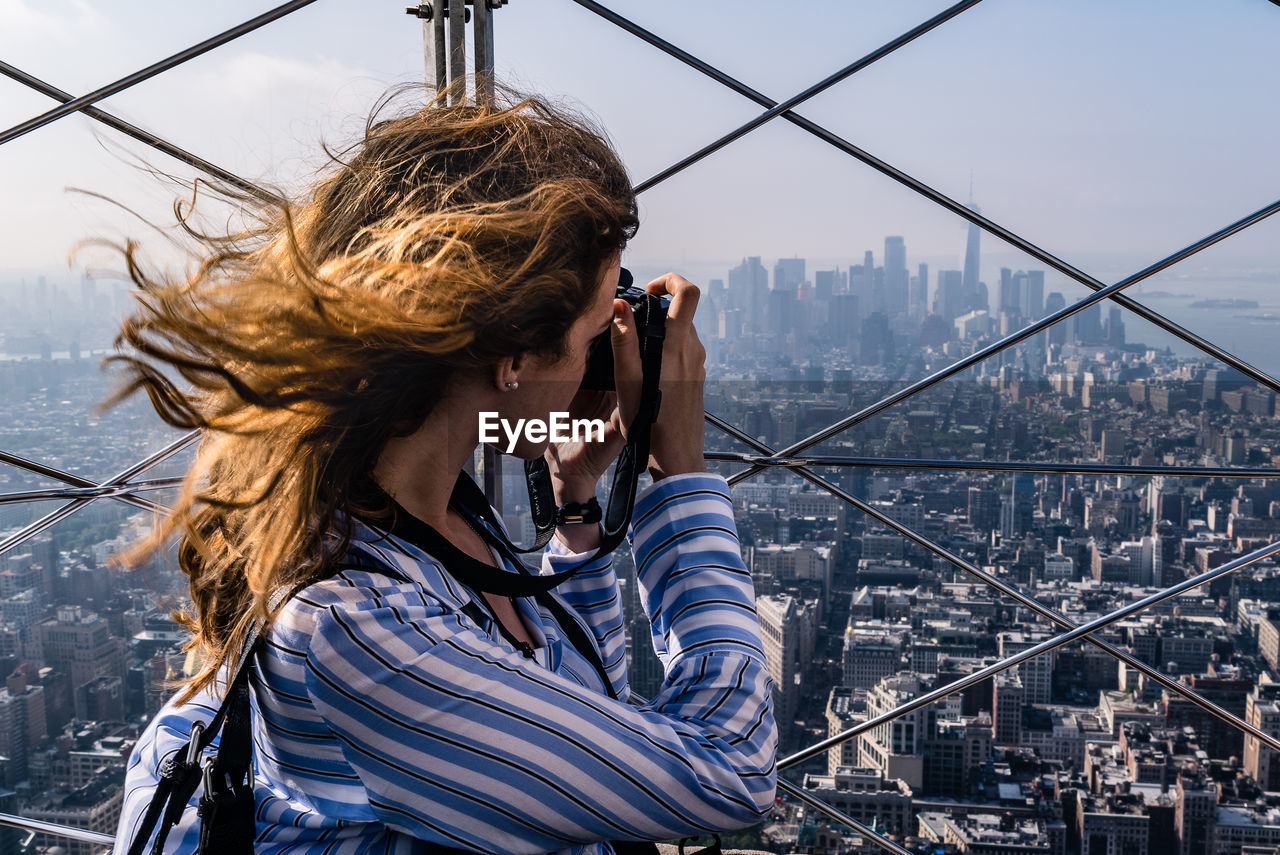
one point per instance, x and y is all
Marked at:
(970, 283)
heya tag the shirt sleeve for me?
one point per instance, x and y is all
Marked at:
(694, 585)
(593, 593)
(463, 742)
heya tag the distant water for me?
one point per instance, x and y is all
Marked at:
(1251, 334)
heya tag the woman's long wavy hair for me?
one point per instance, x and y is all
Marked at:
(446, 240)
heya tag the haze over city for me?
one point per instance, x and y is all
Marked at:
(1110, 134)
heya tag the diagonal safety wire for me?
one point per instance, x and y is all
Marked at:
(152, 70)
(1057, 264)
(41, 524)
(818, 804)
(71, 507)
(1012, 339)
(987, 465)
(239, 182)
(1081, 631)
(1013, 593)
(74, 480)
(973, 217)
(823, 807)
(94, 492)
(816, 89)
(69, 832)
(84, 104)
(158, 457)
(930, 193)
(158, 143)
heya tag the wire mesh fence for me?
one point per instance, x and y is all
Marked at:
(760, 457)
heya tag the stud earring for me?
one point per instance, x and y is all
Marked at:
(513, 384)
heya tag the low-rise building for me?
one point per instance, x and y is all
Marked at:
(990, 834)
(867, 796)
(1238, 827)
(93, 807)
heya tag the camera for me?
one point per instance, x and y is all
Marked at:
(599, 373)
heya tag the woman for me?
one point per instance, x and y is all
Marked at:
(459, 262)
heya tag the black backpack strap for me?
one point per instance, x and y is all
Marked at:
(633, 847)
(226, 808)
(179, 776)
(226, 804)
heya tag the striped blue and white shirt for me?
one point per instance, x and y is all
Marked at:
(389, 714)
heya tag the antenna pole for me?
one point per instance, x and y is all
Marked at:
(444, 47)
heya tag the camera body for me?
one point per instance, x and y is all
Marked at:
(599, 372)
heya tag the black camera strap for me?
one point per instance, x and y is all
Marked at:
(468, 497)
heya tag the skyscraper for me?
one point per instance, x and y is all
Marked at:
(788, 273)
(1115, 328)
(1088, 325)
(918, 297)
(1262, 710)
(895, 275)
(788, 632)
(1010, 291)
(1058, 332)
(872, 298)
(829, 283)
(948, 298)
(971, 261)
(748, 291)
(1033, 297)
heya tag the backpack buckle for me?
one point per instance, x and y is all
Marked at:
(193, 747)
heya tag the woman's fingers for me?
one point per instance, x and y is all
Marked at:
(684, 297)
(628, 374)
(678, 433)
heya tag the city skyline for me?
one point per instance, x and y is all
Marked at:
(1098, 166)
(1109, 157)
(833, 584)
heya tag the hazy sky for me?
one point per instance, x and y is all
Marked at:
(1111, 133)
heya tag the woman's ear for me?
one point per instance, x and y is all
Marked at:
(506, 374)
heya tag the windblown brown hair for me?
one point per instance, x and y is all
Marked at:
(446, 239)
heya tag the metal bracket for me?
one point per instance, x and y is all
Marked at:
(444, 43)
(425, 12)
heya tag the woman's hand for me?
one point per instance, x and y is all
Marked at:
(576, 467)
(676, 445)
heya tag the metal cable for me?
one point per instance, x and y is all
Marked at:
(113, 487)
(150, 71)
(73, 480)
(71, 507)
(818, 804)
(139, 134)
(94, 492)
(1018, 596)
(816, 89)
(950, 204)
(779, 461)
(1082, 631)
(1012, 339)
(71, 832)
(933, 195)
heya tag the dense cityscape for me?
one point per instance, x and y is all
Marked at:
(1071, 751)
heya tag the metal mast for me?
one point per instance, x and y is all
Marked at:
(444, 49)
